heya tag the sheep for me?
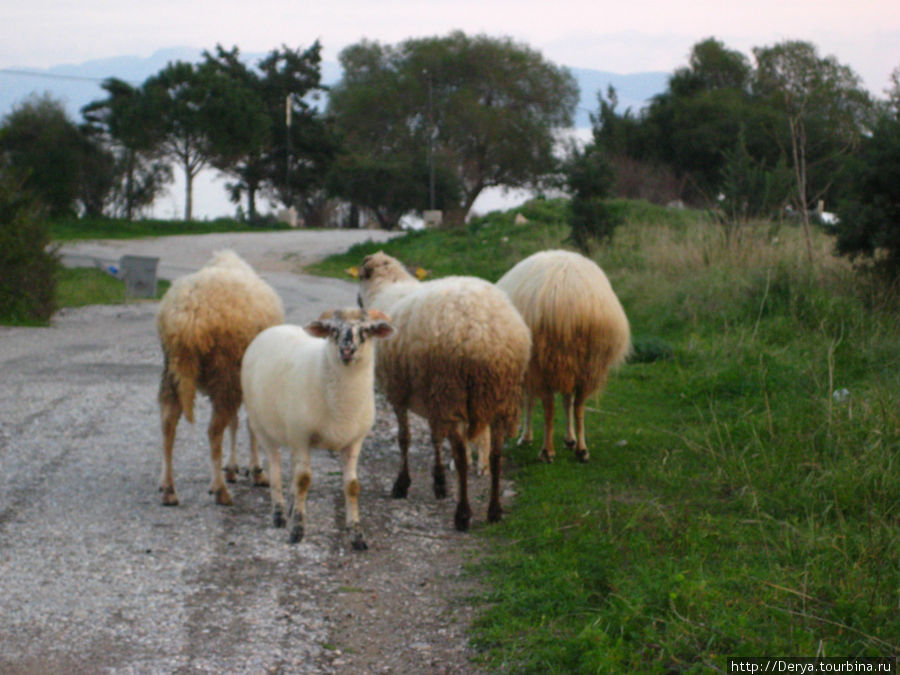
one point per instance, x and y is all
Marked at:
(205, 322)
(303, 390)
(458, 360)
(579, 332)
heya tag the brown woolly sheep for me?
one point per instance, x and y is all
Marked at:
(458, 359)
(579, 332)
(205, 322)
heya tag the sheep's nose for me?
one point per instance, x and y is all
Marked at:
(347, 354)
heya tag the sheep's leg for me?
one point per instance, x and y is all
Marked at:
(349, 457)
(216, 431)
(232, 469)
(170, 413)
(495, 511)
(259, 477)
(569, 402)
(547, 452)
(581, 451)
(460, 456)
(401, 485)
(438, 472)
(300, 481)
(482, 444)
(528, 406)
(276, 493)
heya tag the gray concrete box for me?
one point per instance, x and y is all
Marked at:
(139, 273)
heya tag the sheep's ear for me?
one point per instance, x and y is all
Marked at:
(379, 329)
(378, 315)
(319, 328)
(353, 271)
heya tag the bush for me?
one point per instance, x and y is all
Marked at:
(869, 217)
(27, 269)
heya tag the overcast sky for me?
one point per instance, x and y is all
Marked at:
(625, 36)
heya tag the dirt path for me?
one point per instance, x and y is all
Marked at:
(96, 576)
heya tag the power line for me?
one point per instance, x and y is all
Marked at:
(56, 76)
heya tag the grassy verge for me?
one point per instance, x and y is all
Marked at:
(77, 287)
(110, 228)
(743, 494)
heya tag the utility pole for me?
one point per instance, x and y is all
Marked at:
(287, 169)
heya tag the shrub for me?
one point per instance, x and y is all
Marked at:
(27, 268)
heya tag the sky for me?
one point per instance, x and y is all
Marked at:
(626, 36)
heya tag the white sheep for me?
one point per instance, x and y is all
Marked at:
(314, 388)
(458, 360)
(205, 322)
(579, 332)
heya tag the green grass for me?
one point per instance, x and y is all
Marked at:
(80, 286)
(111, 228)
(732, 505)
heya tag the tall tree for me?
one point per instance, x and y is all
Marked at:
(869, 214)
(129, 125)
(483, 107)
(56, 160)
(303, 143)
(825, 110)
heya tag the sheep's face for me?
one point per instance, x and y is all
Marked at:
(349, 329)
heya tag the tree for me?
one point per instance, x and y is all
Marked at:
(127, 124)
(869, 215)
(589, 178)
(825, 110)
(27, 266)
(52, 155)
(484, 108)
(303, 149)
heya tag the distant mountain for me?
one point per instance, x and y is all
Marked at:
(78, 85)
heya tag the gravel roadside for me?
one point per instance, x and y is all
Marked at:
(97, 576)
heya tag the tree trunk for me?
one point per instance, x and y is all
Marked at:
(188, 193)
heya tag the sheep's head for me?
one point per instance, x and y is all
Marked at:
(349, 329)
(376, 272)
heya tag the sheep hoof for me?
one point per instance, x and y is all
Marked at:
(570, 445)
(169, 497)
(358, 542)
(462, 517)
(440, 485)
(401, 487)
(231, 473)
(260, 479)
(545, 457)
(296, 534)
(495, 513)
(223, 497)
(278, 519)
(582, 456)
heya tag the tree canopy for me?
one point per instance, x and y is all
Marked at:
(482, 108)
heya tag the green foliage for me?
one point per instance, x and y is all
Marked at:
(869, 216)
(589, 178)
(69, 229)
(58, 163)
(129, 125)
(27, 268)
(482, 107)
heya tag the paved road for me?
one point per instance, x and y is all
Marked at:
(96, 576)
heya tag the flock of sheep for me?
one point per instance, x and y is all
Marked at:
(464, 354)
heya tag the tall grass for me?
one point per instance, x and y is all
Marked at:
(743, 496)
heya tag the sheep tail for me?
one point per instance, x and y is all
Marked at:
(184, 373)
(187, 389)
